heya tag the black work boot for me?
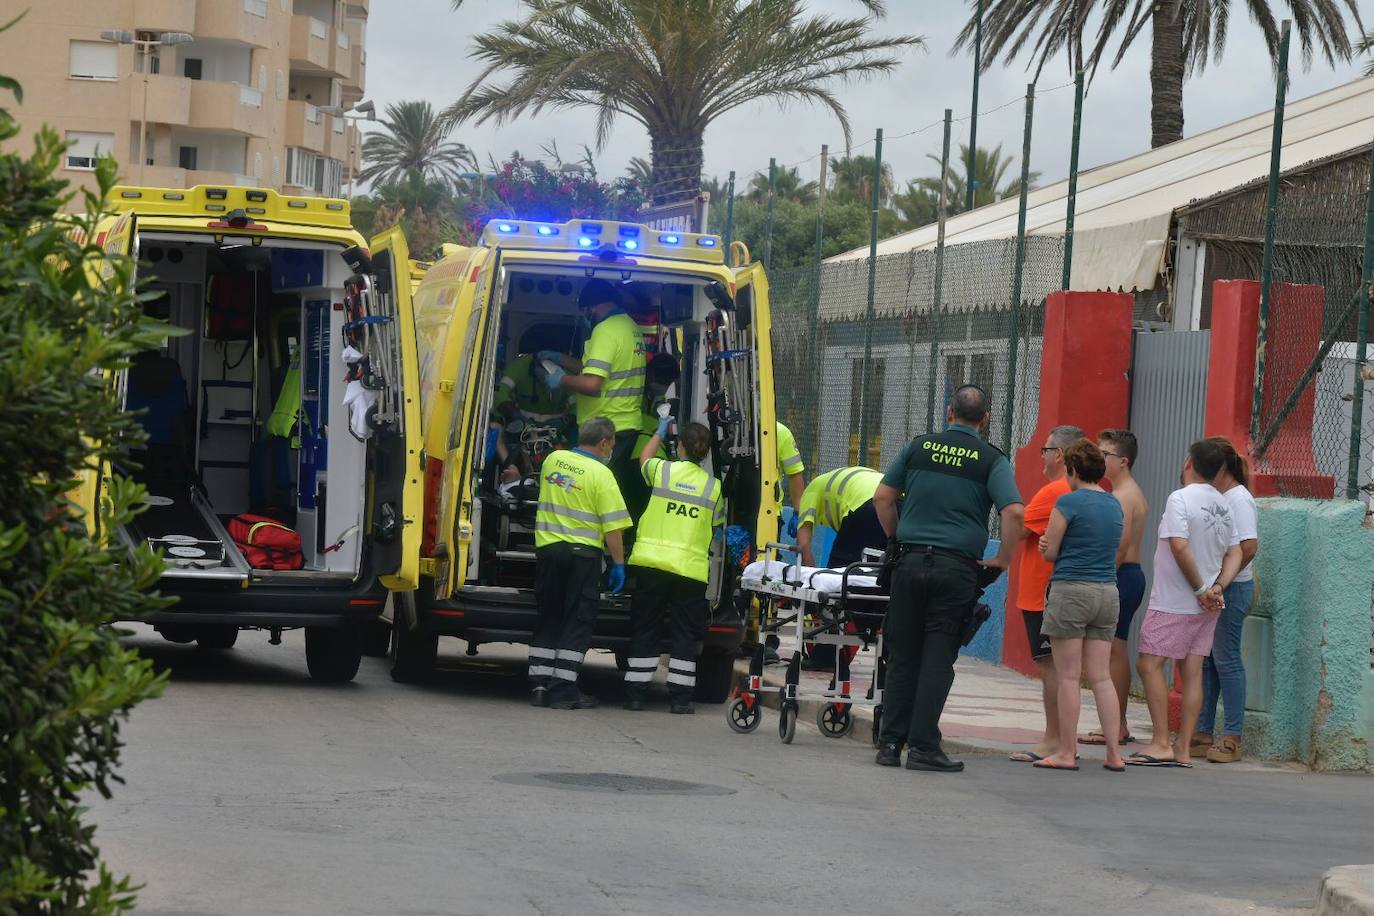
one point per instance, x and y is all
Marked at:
(577, 700)
(681, 708)
(539, 696)
(634, 700)
(889, 755)
(934, 761)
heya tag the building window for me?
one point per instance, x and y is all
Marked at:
(93, 60)
(192, 68)
(256, 7)
(186, 158)
(86, 147)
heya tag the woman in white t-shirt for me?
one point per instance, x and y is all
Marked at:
(1223, 672)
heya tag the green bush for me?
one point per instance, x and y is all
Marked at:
(65, 680)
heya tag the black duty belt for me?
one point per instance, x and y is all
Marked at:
(928, 549)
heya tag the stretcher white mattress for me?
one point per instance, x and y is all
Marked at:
(782, 577)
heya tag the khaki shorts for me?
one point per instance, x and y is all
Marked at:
(1081, 610)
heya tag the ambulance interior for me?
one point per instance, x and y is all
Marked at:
(246, 413)
(539, 312)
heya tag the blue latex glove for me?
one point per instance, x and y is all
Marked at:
(663, 424)
(792, 525)
(554, 379)
(617, 578)
(551, 355)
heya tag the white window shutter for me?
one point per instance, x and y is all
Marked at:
(94, 60)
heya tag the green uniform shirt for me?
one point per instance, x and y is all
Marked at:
(579, 501)
(520, 385)
(831, 496)
(674, 533)
(615, 353)
(950, 481)
(789, 458)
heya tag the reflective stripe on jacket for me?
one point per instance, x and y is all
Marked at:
(674, 533)
(579, 501)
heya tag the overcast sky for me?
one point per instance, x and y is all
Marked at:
(419, 48)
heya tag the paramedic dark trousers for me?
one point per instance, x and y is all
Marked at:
(624, 464)
(566, 591)
(932, 597)
(684, 600)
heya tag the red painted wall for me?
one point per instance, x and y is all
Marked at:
(1084, 381)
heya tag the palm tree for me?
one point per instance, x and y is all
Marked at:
(1366, 46)
(718, 188)
(672, 65)
(1184, 34)
(414, 141)
(787, 185)
(640, 171)
(852, 179)
(920, 203)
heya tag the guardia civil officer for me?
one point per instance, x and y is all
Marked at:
(671, 563)
(579, 508)
(609, 381)
(947, 483)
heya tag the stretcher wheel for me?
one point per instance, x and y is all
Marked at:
(877, 724)
(833, 723)
(743, 717)
(787, 722)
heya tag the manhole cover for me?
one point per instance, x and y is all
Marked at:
(614, 782)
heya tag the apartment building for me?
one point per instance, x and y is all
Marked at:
(237, 104)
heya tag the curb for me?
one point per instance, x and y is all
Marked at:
(1347, 890)
(863, 715)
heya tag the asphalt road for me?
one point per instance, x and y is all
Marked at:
(251, 790)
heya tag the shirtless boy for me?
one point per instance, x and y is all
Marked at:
(1119, 447)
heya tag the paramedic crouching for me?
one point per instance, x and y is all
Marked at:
(947, 483)
(579, 508)
(672, 565)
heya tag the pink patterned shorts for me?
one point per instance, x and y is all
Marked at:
(1177, 635)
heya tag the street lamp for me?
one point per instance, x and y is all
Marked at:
(361, 111)
(144, 46)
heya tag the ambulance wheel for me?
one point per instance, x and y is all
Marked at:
(715, 676)
(833, 723)
(743, 717)
(413, 651)
(180, 633)
(217, 636)
(376, 638)
(787, 722)
(333, 653)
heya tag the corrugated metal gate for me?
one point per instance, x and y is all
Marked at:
(1168, 404)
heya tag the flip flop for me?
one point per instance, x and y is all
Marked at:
(1146, 760)
(1043, 764)
(1097, 739)
(1108, 766)
(1026, 757)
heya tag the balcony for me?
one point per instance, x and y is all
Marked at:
(228, 108)
(168, 99)
(169, 176)
(354, 78)
(305, 127)
(165, 15)
(356, 8)
(342, 59)
(341, 134)
(241, 21)
(312, 49)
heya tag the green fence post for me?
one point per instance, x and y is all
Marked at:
(1271, 215)
(939, 278)
(816, 352)
(1073, 179)
(1352, 480)
(729, 214)
(972, 168)
(872, 292)
(768, 226)
(1013, 340)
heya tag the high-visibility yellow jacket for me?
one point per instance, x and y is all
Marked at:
(833, 495)
(674, 533)
(579, 501)
(615, 353)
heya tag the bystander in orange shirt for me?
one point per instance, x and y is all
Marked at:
(1035, 570)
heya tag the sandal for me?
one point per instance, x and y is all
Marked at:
(1097, 739)
(1227, 750)
(1202, 743)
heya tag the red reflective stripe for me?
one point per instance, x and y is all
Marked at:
(225, 224)
(443, 613)
(719, 629)
(365, 601)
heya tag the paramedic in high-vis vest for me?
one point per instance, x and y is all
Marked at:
(791, 469)
(671, 560)
(609, 381)
(841, 499)
(579, 509)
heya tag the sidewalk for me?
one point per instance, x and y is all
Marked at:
(991, 710)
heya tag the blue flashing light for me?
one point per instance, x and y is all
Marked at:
(629, 244)
(507, 228)
(707, 242)
(591, 228)
(546, 230)
(585, 242)
(670, 239)
(629, 232)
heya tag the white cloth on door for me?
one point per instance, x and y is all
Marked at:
(359, 400)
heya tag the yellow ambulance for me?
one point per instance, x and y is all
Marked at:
(283, 460)
(484, 311)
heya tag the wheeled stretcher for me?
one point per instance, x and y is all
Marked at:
(842, 607)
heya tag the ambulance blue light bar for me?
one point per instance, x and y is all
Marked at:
(604, 239)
